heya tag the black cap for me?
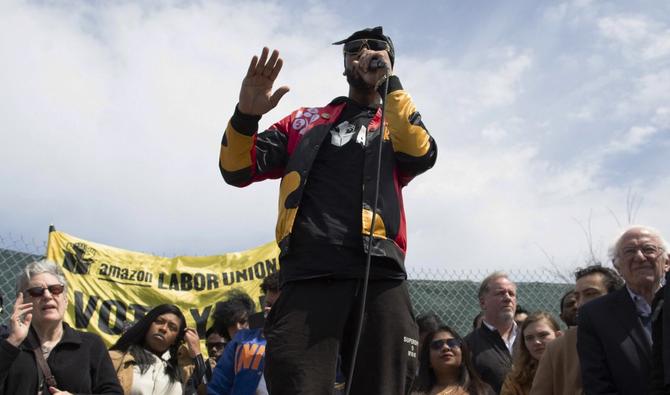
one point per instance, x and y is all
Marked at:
(375, 33)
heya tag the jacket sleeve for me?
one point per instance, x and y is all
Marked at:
(8, 355)
(414, 148)
(104, 379)
(596, 376)
(223, 376)
(543, 383)
(657, 379)
(197, 376)
(247, 156)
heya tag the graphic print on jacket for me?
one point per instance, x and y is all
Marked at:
(249, 356)
(342, 134)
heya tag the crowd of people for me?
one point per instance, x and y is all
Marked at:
(612, 345)
(157, 355)
(341, 319)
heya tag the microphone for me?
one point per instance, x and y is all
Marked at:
(376, 64)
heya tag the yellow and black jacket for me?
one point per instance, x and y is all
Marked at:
(287, 149)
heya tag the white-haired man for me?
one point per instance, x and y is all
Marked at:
(614, 331)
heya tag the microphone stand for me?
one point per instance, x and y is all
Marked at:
(366, 277)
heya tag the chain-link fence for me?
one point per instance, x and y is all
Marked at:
(15, 252)
(451, 294)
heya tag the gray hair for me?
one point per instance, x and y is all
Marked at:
(38, 267)
(484, 286)
(613, 252)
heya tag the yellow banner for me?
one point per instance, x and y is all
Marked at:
(110, 288)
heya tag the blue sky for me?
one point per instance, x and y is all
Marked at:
(548, 116)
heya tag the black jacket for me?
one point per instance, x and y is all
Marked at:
(288, 149)
(490, 356)
(4, 332)
(614, 349)
(80, 363)
(660, 371)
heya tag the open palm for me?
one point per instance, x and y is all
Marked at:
(256, 96)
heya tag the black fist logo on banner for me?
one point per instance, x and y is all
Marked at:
(78, 258)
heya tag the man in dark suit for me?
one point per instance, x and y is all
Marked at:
(558, 372)
(660, 372)
(614, 331)
(491, 343)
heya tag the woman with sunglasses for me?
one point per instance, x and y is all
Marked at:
(537, 330)
(148, 359)
(445, 367)
(78, 361)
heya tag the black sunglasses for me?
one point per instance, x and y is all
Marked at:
(452, 343)
(36, 292)
(355, 46)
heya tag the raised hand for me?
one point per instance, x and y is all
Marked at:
(19, 323)
(256, 96)
(192, 342)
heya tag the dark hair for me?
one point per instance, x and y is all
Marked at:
(270, 283)
(428, 322)
(520, 310)
(132, 341)
(212, 329)
(565, 295)
(611, 279)
(467, 377)
(237, 307)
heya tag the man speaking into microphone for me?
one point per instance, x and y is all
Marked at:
(327, 158)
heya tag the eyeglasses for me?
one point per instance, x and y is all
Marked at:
(648, 250)
(452, 343)
(355, 46)
(37, 292)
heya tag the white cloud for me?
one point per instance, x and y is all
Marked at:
(112, 115)
(573, 12)
(632, 140)
(466, 92)
(637, 36)
(502, 85)
(653, 89)
(494, 133)
(662, 118)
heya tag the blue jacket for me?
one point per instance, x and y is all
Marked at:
(241, 366)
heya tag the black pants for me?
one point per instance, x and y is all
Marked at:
(315, 320)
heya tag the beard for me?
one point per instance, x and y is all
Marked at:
(506, 316)
(357, 82)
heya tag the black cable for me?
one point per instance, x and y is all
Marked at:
(368, 255)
